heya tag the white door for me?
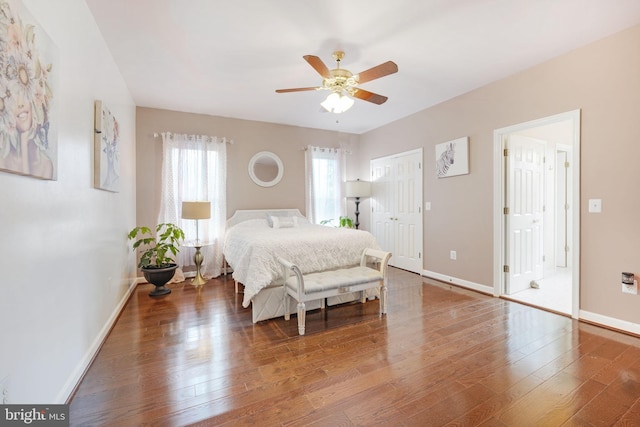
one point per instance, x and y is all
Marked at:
(396, 204)
(563, 216)
(525, 203)
(382, 203)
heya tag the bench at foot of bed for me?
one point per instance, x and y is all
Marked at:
(317, 286)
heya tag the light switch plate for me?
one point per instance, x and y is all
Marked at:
(595, 205)
(630, 289)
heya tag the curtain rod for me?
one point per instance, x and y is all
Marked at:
(328, 148)
(224, 138)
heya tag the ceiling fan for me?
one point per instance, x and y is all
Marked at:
(342, 82)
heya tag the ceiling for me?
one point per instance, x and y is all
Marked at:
(226, 58)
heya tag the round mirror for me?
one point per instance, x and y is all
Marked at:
(266, 169)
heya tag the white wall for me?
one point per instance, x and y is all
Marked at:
(66, 264)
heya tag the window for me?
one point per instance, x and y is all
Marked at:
(325, 180)
(194, 169)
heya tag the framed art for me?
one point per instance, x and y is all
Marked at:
(452, 158)
(106, 174)
(28, 136)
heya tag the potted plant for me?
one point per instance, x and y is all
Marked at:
(344, 222)
(156, 261)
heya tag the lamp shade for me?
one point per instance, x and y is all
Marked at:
(358, 189)
(196, 210)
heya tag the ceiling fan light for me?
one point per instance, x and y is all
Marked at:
(345, 103)
(337, 103)
(330, 102)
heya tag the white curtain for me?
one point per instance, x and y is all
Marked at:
(194, 168)
(325, 172)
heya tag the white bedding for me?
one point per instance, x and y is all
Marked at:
(252, 249)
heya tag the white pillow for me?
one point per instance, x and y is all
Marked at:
(284, 221)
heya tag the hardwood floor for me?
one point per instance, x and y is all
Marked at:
(441, 356)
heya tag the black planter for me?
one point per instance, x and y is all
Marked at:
(159, 278)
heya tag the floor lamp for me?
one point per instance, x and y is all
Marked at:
(197, 211)
(357, 189)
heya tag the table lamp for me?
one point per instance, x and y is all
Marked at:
(357, 189)
(197, 211)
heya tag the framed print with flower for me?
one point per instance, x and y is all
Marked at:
(106, 150)
(452, 158)
(28, 59)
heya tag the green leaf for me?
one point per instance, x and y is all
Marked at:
(156, 248)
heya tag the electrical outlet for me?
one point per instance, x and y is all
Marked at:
(595, 205)
(630, 289)
(453, 255)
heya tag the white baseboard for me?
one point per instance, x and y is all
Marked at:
(611, 322)
(586, 316)
(459, 282)
(65, 394)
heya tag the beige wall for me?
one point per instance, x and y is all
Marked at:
(250, 137)
(603, 80)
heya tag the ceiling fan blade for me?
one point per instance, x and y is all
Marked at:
(378, 71)
(318, 65)
(296, 89)
(365, 95)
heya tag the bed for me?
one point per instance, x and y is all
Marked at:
(256, 238)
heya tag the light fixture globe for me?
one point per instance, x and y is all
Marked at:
(345, 103)
(331, 101)
(337, 103)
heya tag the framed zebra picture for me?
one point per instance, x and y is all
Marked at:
(452, 158)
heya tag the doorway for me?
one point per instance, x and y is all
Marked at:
(536, 212)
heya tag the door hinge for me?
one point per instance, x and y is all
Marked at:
(505, 268)
(419, 255)
(506, 152)
(505, 211)
(419, 165)
(566, 165)
(566, 248)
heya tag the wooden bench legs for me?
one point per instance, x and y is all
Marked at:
(302, 313)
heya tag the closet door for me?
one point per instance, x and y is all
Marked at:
(383, 203)
(396, 208)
